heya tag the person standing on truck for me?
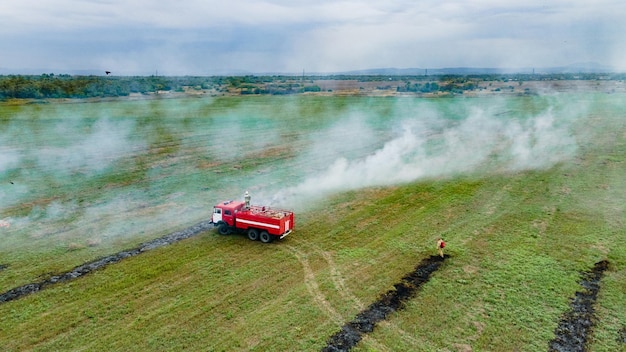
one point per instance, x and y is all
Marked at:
(246, 199)
(440, 245)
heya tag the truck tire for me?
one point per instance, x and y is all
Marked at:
(223, 229)
(265, 237)
(253, 234)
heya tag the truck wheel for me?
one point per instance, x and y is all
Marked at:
(253, 234)
(223, 229)
(265, 237)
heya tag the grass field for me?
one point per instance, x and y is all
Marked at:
(528, 192)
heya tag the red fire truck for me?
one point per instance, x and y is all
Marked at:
(258, 222)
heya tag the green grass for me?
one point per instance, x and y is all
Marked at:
(517, 241)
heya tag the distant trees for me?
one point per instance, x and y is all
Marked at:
(67, 86)
(452, 84)
(427, 87)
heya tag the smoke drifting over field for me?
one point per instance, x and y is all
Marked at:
(435, 147)
(101, 147)
(76, 175)
(60, 151)
(50, 173)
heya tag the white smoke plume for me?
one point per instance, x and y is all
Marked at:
(427, 148)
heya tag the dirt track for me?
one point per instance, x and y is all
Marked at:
(351, 333)
(86, 268)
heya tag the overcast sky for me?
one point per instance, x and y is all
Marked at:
(201, 37)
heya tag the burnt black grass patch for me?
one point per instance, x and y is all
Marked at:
(621, 338)
(576, 326)
(102, 262)
(622, 335)
(391, 301)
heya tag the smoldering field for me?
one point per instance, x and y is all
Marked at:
(79, 180)
(528, 192)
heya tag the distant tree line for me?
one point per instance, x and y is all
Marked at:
(274, 85)
(69, 86)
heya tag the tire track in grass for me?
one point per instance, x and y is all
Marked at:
(313, 287)
(337, 278)
(403, 334)
(340, 286)
(344, 291)
(352, 332)
(102, 262)
(577, 324)
(340, 283)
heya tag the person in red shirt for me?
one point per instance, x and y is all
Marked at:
(440, 245)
